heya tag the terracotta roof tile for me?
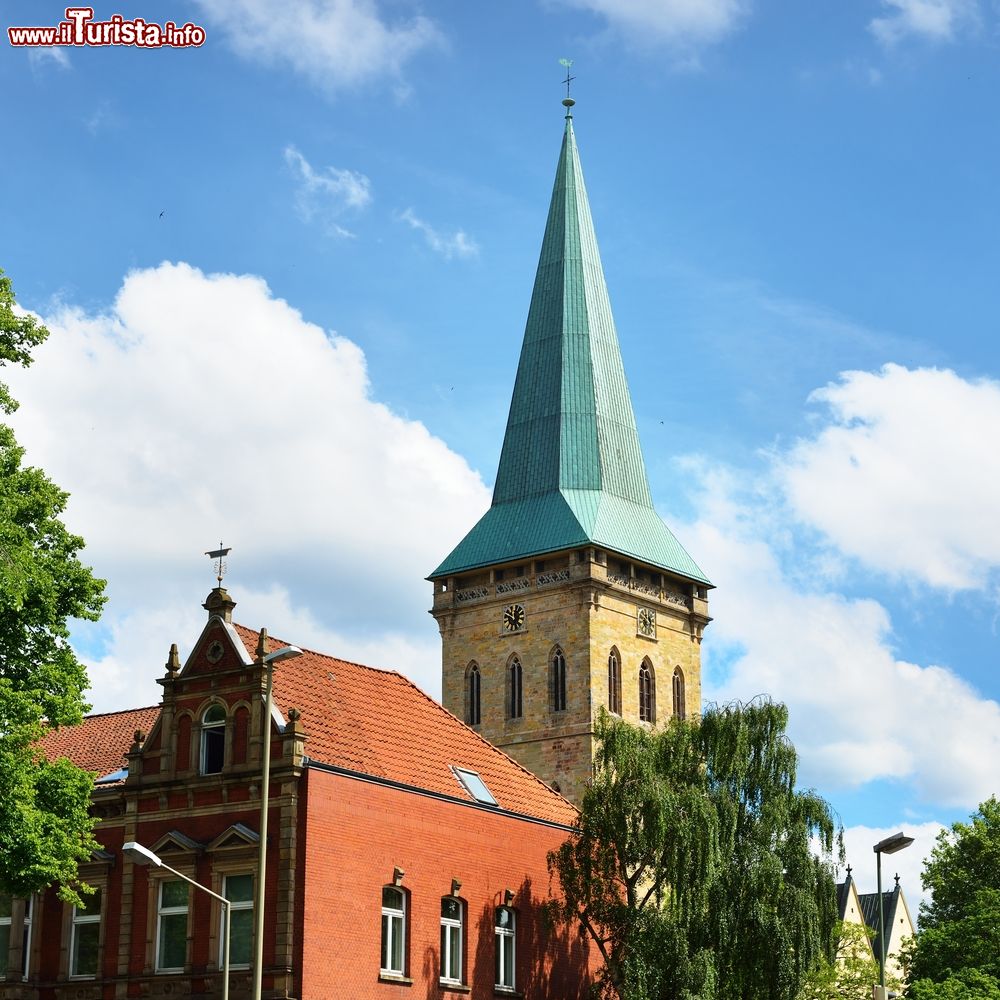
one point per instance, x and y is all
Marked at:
(100, 741)
(379, 723)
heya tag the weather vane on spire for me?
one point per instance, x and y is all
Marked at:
(567, 101)
(220, 553)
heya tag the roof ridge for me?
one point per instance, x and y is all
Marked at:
(325, 656)
(121, 711)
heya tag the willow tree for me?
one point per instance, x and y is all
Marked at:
(45, 827)
(692, 868)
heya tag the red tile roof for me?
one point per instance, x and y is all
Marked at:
(100, 741)
(379, 723)
(358, 718)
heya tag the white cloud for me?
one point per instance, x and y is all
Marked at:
(333, 43)
(199, 407)
(49, 55)
(327, 193)
(908, 863)
(905, 474)
(933, 20)
(449, 245)
(857, 712)
(677, 23)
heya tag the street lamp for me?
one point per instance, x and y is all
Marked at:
(888, 846)
(140, 855)
(267, 660)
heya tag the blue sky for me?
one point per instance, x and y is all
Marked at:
(310, 352)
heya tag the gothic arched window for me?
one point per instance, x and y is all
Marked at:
(678, 692)
(472, 703)
(558, 680)
(614, 682)
(647, 693)
(515, 688)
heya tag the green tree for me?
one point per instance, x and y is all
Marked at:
(692, 867)
(966, 984)
(960, 927)
(852, 971)
(45, 827)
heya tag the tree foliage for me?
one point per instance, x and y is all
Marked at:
(958, 945)
(692, 866)
(852, 971)
(44, 821)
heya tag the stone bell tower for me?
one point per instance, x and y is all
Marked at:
(570, 594)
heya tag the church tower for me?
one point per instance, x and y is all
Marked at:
(570, 594)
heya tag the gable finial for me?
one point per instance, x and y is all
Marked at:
(220, 554)
(568, 101)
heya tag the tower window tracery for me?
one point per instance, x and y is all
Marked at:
(558, 672)
(647, 693)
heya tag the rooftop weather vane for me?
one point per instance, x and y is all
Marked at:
(220, 553)
(568, 101)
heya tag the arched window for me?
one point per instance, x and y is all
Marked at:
(614, 682)
(472, 702)
(647, 693)
(451, 940)
(504, 935)
(393, 931)
(515, 689)
(558, 680)
(213, 739)
(678, 690)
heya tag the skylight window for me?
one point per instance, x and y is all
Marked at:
(475, 786)
(120, 775)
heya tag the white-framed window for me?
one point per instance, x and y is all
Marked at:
(85, 937)
(451, 940)
(5, 919)
(238, 889)
(504, 931)
(213, 739)
(393, 931)
(171, 925)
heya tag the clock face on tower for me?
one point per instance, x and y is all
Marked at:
(647, 622)
(513, 618)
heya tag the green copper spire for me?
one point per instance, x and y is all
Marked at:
(571, 470)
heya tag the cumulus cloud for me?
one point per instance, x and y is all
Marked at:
(200, 407)
(677, 23)
(328, 193)
(857, 712)
(449, 245)
(904, 474)
(332, 43)
(932, 20)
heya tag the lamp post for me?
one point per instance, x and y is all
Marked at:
(267, 661)
(888, 846)
(140, 855)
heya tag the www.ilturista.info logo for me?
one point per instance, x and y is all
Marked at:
(80, 28)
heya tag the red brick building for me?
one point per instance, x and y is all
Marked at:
(406, 855)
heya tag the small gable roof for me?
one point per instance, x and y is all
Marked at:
(379, 723)
(99, 743)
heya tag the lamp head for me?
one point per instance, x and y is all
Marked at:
(893, 844)
(285, 653)
(140, 855)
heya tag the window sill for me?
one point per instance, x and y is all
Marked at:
(447, 986)
(506, 991)
(389, 977)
